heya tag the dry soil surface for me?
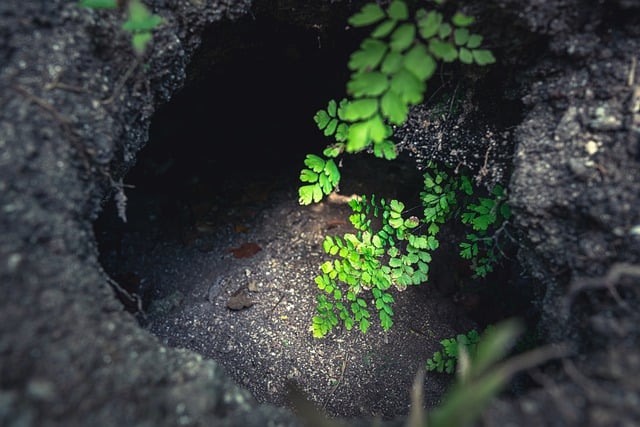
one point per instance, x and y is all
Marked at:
(229, 273)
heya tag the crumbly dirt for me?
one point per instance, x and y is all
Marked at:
(75, 115)
(234, 281)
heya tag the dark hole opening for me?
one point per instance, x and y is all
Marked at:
(222, 161)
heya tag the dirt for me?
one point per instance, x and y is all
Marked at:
(234, 281)
(76, 111)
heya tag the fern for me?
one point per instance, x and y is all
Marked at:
(382, 255)
(446, 360)
(389, 75)
(392, 66)
(390, 250)
(487, 219)
(323, 176)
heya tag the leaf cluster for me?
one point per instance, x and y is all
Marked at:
(322, 176)
(140, 21)
(389, 75)
(390, 250)
(487, 218)
(391, 68)
(446, 360)
(382, 254)
(446, 195)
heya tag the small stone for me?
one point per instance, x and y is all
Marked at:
(239, 300)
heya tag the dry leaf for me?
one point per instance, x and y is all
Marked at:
(246, 250)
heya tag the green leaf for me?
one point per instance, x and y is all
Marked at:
(385, 149)
(341, 135)
(367, 84)
(461, 36)
(443, 50)
(316, 163)
(462, 20)
(322, 119)
(433, 229)
(360, 109)
(411, 222)
(385, 320)
(475, 40)
(377, 129)
(398, 10)
(306, 194)
(331, 127)
(450, 366)
(483, 57)
(392, 62)
(408, 87)
(467, 217)
(444, 31)
(358, 137)
(307, 175)
(466, 250)
(348, 323)
(396, 222)
(368, 56)
(393, 108)
(420, 242)
(332, 172)
(324, 184)
(396, 206)
(140, 19)
(384, 29)
(327, 244)
(139, 41)
(364, 325)
(395, 262)
(369, 14)
(332, 108)
(99, 4)
(465, 184)
(402, 37)
(432, 243)
(419, 62)
(505, 211)
(429, 24)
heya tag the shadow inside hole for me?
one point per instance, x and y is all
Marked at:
(223, 148)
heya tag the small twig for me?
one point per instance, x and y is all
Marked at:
(282, 295)
(57, 85)
(335, 387)
(608, 281)
(65, 122)
(131, 297)
(453, 98)
(484, 170)
(121, 83)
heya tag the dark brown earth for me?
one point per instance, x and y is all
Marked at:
(559, 111)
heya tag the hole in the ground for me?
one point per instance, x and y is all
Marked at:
(224, 257)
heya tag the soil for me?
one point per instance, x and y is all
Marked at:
(234, 281)
(75, 113)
